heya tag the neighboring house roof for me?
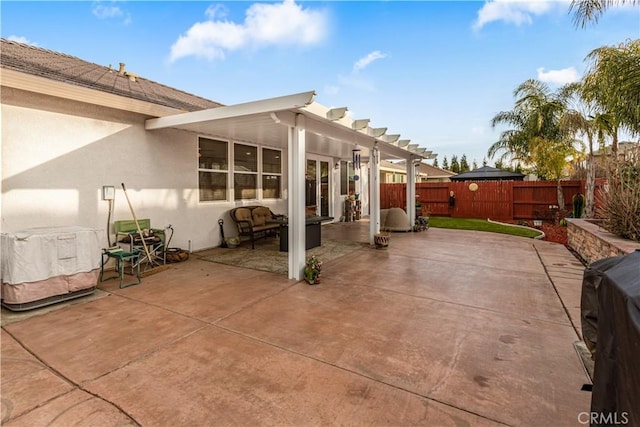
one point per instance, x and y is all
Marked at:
(435, 172)
(391, 166)
(487, 173)
(425, 169)
(623, 147)
(75, 71)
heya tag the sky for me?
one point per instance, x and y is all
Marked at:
(435, 72)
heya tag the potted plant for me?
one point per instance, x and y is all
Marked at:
(233, 242)
(312, 270)
(382, 238)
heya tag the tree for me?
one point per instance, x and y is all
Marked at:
(464, 164)
(612, 85)
(583, 120)
(455, 166)
(474, 165)
(535, 133)
(435, 163)
(445, 163)
(484, 161)
(586, 11)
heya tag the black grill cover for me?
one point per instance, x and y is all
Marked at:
(589, 299)
(616, 379)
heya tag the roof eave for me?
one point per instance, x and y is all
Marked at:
(17, 80)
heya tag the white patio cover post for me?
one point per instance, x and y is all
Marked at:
(374, 202)
(411, 191)
(296, 186)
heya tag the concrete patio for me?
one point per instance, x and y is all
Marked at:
(444, 328)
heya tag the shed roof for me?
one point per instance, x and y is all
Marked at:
(487, 173)
(69, 69)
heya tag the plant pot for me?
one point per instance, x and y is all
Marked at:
(233, 242)
(382, 239)
(312, 277)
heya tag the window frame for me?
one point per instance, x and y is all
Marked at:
(213, 171)
(230, 172)
(263, 173)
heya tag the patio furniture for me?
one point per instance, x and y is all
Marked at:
(313, 235)
(256, 222)
(154, 239)
(121, 257)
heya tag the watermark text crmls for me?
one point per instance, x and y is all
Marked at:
(604, 418)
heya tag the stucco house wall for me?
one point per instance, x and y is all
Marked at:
(57, 154)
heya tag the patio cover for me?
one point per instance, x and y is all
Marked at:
(300, 125)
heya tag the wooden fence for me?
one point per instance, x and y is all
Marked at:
(499, 200)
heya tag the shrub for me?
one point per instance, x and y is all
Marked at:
(621, 197)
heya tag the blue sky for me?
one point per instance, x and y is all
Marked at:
(435, 72)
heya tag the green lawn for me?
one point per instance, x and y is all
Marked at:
(479, 225)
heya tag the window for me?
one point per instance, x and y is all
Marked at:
(249, 171)
(245, 168)
(271, 173)
(213, 167)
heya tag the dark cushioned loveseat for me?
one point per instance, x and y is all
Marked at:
(256, 222)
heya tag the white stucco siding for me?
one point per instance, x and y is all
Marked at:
(57, 155)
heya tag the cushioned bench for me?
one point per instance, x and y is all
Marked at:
(256, 222)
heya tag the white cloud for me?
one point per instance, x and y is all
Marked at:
(21, 39)
(365, 61)
(103, 11)
(216, 11)
(515, 12)
(284, 23)
(558, 77)
(110, 11)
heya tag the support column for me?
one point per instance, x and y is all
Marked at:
(296, 183)
(374, 202)
(411, 191)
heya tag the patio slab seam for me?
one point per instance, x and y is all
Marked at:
(458, 262)
(555, 289)
(507, 314)
(77, 386)
(359, 374)
(212, 322)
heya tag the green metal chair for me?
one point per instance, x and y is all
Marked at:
(121, 257)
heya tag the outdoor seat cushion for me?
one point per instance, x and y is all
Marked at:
(260, 216)
(265, 227)
(243, 214)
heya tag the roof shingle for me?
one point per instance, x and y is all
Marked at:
(71, 70)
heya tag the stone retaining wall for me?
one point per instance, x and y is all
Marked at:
(592, 242)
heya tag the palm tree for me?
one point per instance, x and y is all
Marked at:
(586, 11)
(612, 84)
(536, 134)
(583, 120)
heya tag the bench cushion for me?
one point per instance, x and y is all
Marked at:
(243, 214)
(261, 215)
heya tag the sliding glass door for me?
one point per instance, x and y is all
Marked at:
(317, 187)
